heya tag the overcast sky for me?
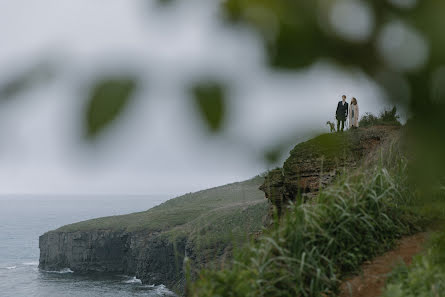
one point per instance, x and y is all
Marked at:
(158, 146)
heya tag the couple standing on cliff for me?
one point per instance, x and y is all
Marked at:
(343, 110)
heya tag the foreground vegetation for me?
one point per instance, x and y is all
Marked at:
(315, 244)
(426, 275)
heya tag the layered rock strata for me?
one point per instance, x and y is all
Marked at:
(150, 257)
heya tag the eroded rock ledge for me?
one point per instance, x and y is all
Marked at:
(316, 163)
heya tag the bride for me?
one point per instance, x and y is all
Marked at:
(353, 113)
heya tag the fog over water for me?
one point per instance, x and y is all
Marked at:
(159, 144)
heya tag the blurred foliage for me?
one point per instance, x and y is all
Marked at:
(108, 99)
(25, 80)
(403, 51)
(297, 34)
(210, 100)
(274, 155)
(386, 117)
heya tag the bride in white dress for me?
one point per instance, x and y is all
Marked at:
(353, 113)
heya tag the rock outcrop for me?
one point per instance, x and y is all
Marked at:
(98, 251)
(315, 164)
(152, 258)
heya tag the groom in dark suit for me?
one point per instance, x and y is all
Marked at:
(342, 113)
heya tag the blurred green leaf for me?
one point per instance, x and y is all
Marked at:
(25, 80)
(107, 101)
(210, 101)
(273, 156)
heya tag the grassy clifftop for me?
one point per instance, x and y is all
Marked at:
(184, 212)
(315, 244)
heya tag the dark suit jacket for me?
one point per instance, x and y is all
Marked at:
(342, 111)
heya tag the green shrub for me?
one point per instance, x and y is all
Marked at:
(315, 244)
(368, 120)
(386, 117)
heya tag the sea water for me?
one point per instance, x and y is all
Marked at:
(24, 218)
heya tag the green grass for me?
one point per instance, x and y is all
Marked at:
(425, 277)
(316, 244)
(183, 212)
(213, 236)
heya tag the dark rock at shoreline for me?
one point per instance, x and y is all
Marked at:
(151, 258)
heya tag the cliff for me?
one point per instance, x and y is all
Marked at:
(316, 163)
(152, 245)
(151, 257)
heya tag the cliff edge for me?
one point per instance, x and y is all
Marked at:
(153, 244)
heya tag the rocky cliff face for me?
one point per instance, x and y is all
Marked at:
(151, 257)
(98, 251)
(315, 164)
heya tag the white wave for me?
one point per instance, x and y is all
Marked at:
(133, 280)
(163, 291)
(11, 267)
(62, 271)
(34, 263)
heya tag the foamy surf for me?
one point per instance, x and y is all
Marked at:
(133, 280)
(34, 263)
(62, 271)
(163, 291)
(11, 267)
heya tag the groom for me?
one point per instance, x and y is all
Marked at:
(342, 113)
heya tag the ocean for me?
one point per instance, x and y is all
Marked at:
(24, 218)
